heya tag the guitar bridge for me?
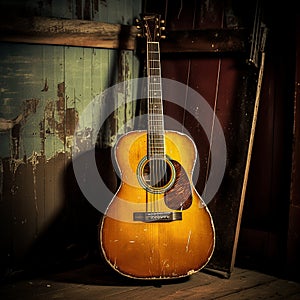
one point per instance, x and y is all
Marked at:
(149, 217)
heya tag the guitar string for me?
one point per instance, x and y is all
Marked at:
(159, 116)
(160, 128)
(213, 119)
(157, 157)
(165, 156)
(188, 72)
(149, 135)
(150, 121)
(162, 149)
(152, 128)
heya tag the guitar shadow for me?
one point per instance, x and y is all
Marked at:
(70, 240)
(102, 275)
(68, 250)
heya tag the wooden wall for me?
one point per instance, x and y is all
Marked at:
(44, 90)
(293, 246)
(264, 234)
(226, 81)
(228, 84)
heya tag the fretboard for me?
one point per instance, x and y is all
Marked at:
(156, 144)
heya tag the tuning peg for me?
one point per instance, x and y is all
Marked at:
(163, 28)
(162, 21)
(163, 37)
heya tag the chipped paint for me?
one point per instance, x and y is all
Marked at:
(37, 133)
(34, 162)
(188, 242)
(14, 165)
(9, 124)
(59, 120)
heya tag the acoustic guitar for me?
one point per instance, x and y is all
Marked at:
(156, 226)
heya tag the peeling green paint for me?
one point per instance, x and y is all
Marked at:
(43, 91)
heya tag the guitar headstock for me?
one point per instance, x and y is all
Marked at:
(152, 27)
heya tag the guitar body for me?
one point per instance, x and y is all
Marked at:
(156, 231)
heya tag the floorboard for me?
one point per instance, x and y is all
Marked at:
(93, 282)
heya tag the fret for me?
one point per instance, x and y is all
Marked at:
(158, 144)
(157, 148)
(156, 111)
(154, 56)
(156, 135)
(156, 90)
(154, 64)
(154, 86)
(153, 46)
(155, 79)
(154, 69)
(156, 121)
(159, 154)
(155, 100)
(155, 106)
(154, 72)
(155, 153)
(155, 93)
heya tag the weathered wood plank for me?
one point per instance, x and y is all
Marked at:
(53, 31)
(276, 289)
(39, 30)
(206, 40)
(93, 281)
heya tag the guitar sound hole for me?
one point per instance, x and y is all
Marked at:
(156, 175)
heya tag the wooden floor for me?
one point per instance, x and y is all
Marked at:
(92, 282)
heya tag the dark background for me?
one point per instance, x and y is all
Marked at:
(269, 232)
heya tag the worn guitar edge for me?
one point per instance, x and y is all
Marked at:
(204, 206)
(189, 273)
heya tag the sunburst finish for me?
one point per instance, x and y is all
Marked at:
(152, 250)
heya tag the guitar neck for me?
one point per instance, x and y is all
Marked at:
(156, 145)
